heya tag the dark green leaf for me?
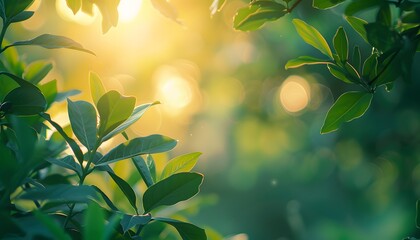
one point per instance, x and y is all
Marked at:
(349, 106)
(55, 229)
(381, 37)
(36, 71)
(152, 167)
(339, 73)
(13, 7)
(97, 89)
(358, 25)
(94, 222)
(305, 60)
(73, 145)
(361, 5)
(50, 41)
(187, 231)
(311, 36)
(169, 191)
(134, 117)
(143, 169)
(418, 213)
(257, 14)
(325, 4)
(18, 80)
(125, 188)
(106, 199)
(356, 58)
(183, 163)
(129, 221)
(138, 146)
(61, 96)
(384, 16)
(370, 67)
(83, 122)
(113, 110)
(341, 44)
(25, 101)
(74, 5)
(63, 193)
(25, 15)
(67, 162)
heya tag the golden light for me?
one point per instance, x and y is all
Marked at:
(294, 94)
(80, 17)
(128, 10)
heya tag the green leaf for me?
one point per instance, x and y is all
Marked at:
(370, 67)
(216, 6)
(55, 229)
(73, 145)
(106, 198)
(50, 41)
(166, 9)
(74, 5)
(325, 4)
(341, 44)
(134, 117)
(62, 193)
(67, 162)
(49, 90)
(339, 73)
(418, 213)
(36, 71)
(381, 37)
(94, 222)
(125, 188)
(349, 106)
(129, 221)
(18, 80)
(305, 60)
(143, 169)
(187, 231)
(13, 7)
(384, 16)
(97, 89)
(152, 167)
(25, 101)
(25, 15)
(257, 14)
(358, 25)
(184, 163)
(138, 146)
(356, 58)
(361, 5)
(87, 7)
(113, 110)
(83, 122)
(171, 190)
(61, 96)
(109, 12)
(311, 36)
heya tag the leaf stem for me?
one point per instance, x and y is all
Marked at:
(385, 67)
(2, 34)
(289, 10)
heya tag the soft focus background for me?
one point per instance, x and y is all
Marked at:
(269, 173)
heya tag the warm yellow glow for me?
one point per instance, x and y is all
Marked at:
(294, 94)
(174, 92)
(128, 10)
(80, 17)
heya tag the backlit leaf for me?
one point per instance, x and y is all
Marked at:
(257, 14)
(143, 169)
(216, 6)
(97, 89)
(166, 9)
(325, 4)
(341, 44)
(94, 222)
(82, 117)
(125, 188)
(74, 5)
(304, 60)
(311, 36)
(36, 71)
(358, 25)
(183, 163)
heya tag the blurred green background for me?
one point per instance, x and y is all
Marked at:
(269, 173)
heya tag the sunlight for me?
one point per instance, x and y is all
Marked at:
(294, 94)
(128, 10)
(80, 17)
(174, 92)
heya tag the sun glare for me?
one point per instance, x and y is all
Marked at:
(294, 94)
(174, 92)
(128, 10)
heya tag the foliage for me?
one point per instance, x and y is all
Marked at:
(43, 186)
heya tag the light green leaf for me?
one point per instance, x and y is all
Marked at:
(187, 231)
(184, 163)
(129, 221)
(25, 101)
(36, 71)
(87, 7)
(55, 229)
(97, 89)
(67, 162)
(74, 5)
(143, 169)
(49, 90)
(349, 106)
(358, 25)
(257, 14)
(311, 36)
(125, 188)
(50, 41)
(94, 222)
(171, 190)
(138, 146)
(134, 117)
(62, 193)
(83, 122)
(325, 4)
(341, 44)
(305, 60)
(166, 9)
(109, 12)
(216, 6)
(113, 110)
